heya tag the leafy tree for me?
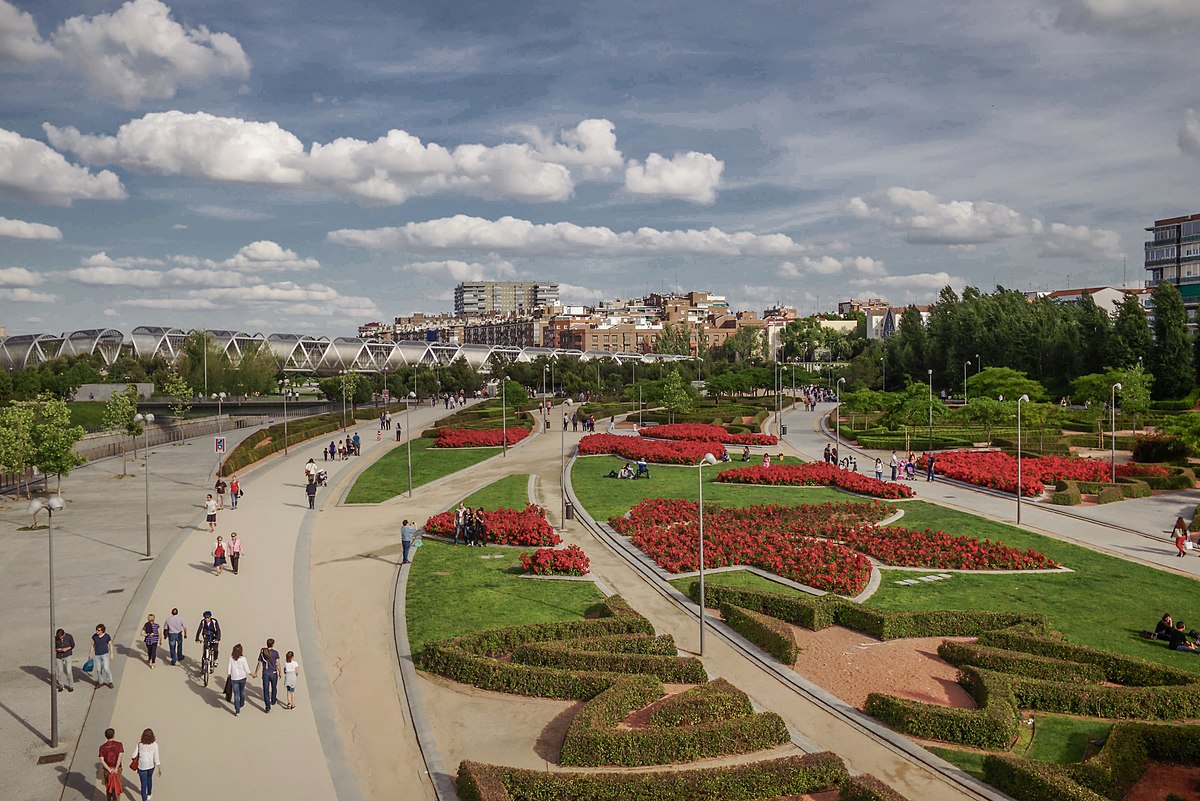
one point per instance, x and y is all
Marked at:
(863, 401)
(911, 406)
(1186, 427)
(992, 382)
(54, 438)
(986, 412)
(745, 344)
(1095, 328)
(675, 339)
(677, 396)
(1170, 360)
(119, 415)
(1134, 396)
(16, 440)
(26, 384)
(177, 389)
(514, 396)
(254, 372)
(1132, 337)
(907, 348)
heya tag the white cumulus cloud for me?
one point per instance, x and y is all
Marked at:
(29, 170)
(1189, 134)
(687, 176)
(829, 265)
(591, 145)
(457, 270)
(1058, 240)
(20, 42)
(23, 295)
(19, 229)
(925, 220)
(18, 277)
(916, 281)
(1158, 17)
(268, 256)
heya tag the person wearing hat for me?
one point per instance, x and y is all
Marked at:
(210, 630)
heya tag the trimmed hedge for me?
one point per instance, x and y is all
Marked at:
(1129, 671)
(1018, 664)
(663, 644)
(567, 656)
(867, 788)
(993, 725)
(262, 444)
(814, 612)
(773, 778)
(769, 633)
(714, 700)
(1068, 495)
(1109, 495)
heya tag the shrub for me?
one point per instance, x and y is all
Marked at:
(813, 613)
(569, 561)
(1129, 671)
(568, 656)
(1110, 495)
(263, 443)
(1003, 661)
(815, 474)
(684, 452)
(479, 438)
(992, 726)
(706, 433)
(504, 526)
(1068, 495)
(771, 634)
(1159, 448)
(714, 700)
(867, 788)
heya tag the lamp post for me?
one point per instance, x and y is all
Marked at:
(931, 411)
(562, 476)
(408, 440)
(837, 417)
(965, 366)
(1020, 400)
(342, 373)
(52, 504)
(545, 372)
(883, 361)
(145, 420)
(708, 459)
(219, 397)
(285, 391)
(1112, 409)
(503, 417)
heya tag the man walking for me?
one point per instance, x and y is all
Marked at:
(64, 646)
(210, 514)
(311, 491)
(176, 629)
(268, 663)
(110, 760)
(895, 463)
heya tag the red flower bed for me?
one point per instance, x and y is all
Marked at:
(1135, 470)
(504, 526)
(472, 438)
(998, 470)
(821, 546)
(815, 474)
(706, 433)
(634, 448)
(569, 561)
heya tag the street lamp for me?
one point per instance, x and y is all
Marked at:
(965, 366)
(708, 459)
(145, 420)
(503, 416)
(562, 484)
(1112, 409)
(1020, 400)
(54, 503)
(408, 440)
(883, 361)
(219, 397)
(545, 372)
(931, 411)
(837, 416)
(342, 373)
(287, 392)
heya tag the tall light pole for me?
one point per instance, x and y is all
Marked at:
(145, 420)
(930, 411)
(408, 440)
(708, 459)
(1112, 409)
(883, 361)
(219, 397)
(343, 375)
(1020, 400)
(545, 372)
(978, 364)
(52, 504)
(562, 483)
(837, 417)
(285, 390)
(965, 366)
(503, 417)
(205, 341)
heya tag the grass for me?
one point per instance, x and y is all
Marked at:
(388, 477)
(1104, 603)
(970, 761)
(456, 590)
(739, 578)
(510, 492)
(1059, 738)
(605, 498)
(89, 414)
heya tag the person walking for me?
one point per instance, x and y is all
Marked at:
(930, 468)
(235, 551)
(310, 470)
(147, 762)
(210, 514)
(407, 532)
(101, 654)
(310, 490)
(150, 637)
(64, 646)
(221, 486)
(238, 670)
(1180, 526)
(235, 492)
(218, 555)
(268, 663)
(357, 444)
(176, 628)
(110, 763)
(895, 464)
(879, 469)
(332, 451)
(291, 669)
(1181, 539)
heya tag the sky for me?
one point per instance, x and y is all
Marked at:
(309, 166)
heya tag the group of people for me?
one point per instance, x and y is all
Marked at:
(812, 395)
(905, 468)
(588, 423)
(227, 553)
(451, 400)
(831, 454)
(1177, 636)
(385, 421)
(234, 489)
(470, 526)
(270, 665)
(627, 471)
(145, 761)
(341, 450)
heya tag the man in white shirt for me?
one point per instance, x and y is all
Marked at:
(176, 628)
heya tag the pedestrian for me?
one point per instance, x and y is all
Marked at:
(479, 530)
(176, 628)
(238, 670)
(310, 470)
(357, 445)
(235, 551)
(1180, 525)
(291, 669)
(150, 637)
(827, 452)
(64, 646)
(218, 555)
(460, 523)
(110, 762)
(895, 464)
(235, 492)
(1181, 539)
(766, 460)
(406, 538)
(311, 491)
(101, 654)
(268, 663)
(930, 468)
(220, 487)
(879, 470)
(147, 762)
(332, 451)
(210, 514)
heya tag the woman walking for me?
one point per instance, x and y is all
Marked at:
(1181, 539)
(239, 671)
(235, 551)
(218, 557)
(147, 762)
(235, 492)
(150, 633)
(291, 669)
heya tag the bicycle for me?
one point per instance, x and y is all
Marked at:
(849, 463)
(208, 661)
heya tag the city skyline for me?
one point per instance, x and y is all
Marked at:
(309, 168)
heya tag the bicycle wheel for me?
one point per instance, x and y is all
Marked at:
(206, 666)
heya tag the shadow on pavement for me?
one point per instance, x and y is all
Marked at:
(24, 723)
(72, 780)
(38, 672)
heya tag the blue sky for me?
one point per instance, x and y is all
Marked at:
(311, 166)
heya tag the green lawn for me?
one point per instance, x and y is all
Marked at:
(89, 414)
(1059, 738)
(970, 761)
(457, 590)
(510, 492)
(739, 578)
(388, 477)
(605, 498)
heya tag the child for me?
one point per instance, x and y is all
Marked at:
(291, 668)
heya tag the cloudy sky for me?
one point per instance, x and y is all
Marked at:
(310, 166)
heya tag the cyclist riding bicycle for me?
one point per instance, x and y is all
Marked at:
(210, 630)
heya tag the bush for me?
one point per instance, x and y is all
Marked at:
(867, 788)
(1110, 495)
(992, 726)
(1003, 661)
(1128, 671)
(1068, 495)
(568, 656)
(813, 613)
(1159, 448)
(569, 561)
(714, 700)
(769, 633)
(263, 443)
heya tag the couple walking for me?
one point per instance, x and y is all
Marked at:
(270, 666)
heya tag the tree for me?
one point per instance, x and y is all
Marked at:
(16, 439)
(1170, 360)
(177, 389)
(907, 348)
(992, 382)
(119, 414)
(986, 412)
(745, 344)
(514, 396)
(54, 438)
(1095, 336)
(676, 395)
(1132, 338)
(1134, 396)
(675, 339)
(863, 401)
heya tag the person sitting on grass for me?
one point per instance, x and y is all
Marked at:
(626, 472)
(1163, 630)
(1178, 640)
(643, 470)
(724, 457)
(745, 453)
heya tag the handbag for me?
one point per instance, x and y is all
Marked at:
(228, 689)
(89, 665)
(133, 763)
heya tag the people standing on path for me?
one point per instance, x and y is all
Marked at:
(110, 754)
(310, 490)
(235, 492)
(407, 532)
(291, 669)
(238, 671)
(220, 487)
(150, 637)
(268, 663)
(930, 468)
(64, 646)
(147, 763)
(235, 551)
(101, 654)
(218, 555)
(460, 523)
(210, 514)
(176, 628)
(895, 464)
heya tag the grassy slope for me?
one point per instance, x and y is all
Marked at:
(388, 477)
(511, 492)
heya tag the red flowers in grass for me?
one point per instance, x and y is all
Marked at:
(1135, 470)
(998, 470)
(484, 438)
(569, 561)
(683, 452)
(821, 546)
(815, 474)
(504, 526)
(704, 432)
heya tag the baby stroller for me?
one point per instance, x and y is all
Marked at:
(322, 478)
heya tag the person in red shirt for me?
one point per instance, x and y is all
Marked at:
(110, 760)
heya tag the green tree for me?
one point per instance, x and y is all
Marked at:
(675, 339)
(676, 395)
(987, 413)
(992, 382)
(175, 388)
(1170, 360)
(1132, 339)
(1134, 396)
(907, 347)
(1095, 328)
(745, 344)
(119, 415)
(54, 438)
(862, 401)
(16, 440)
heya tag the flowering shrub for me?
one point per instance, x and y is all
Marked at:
(704, 432)
(682, 452)
(483, 438)
(569, 561)
(815, 474)
(998, 470)
(821, 546)
(504, 526)
(1135, 470)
